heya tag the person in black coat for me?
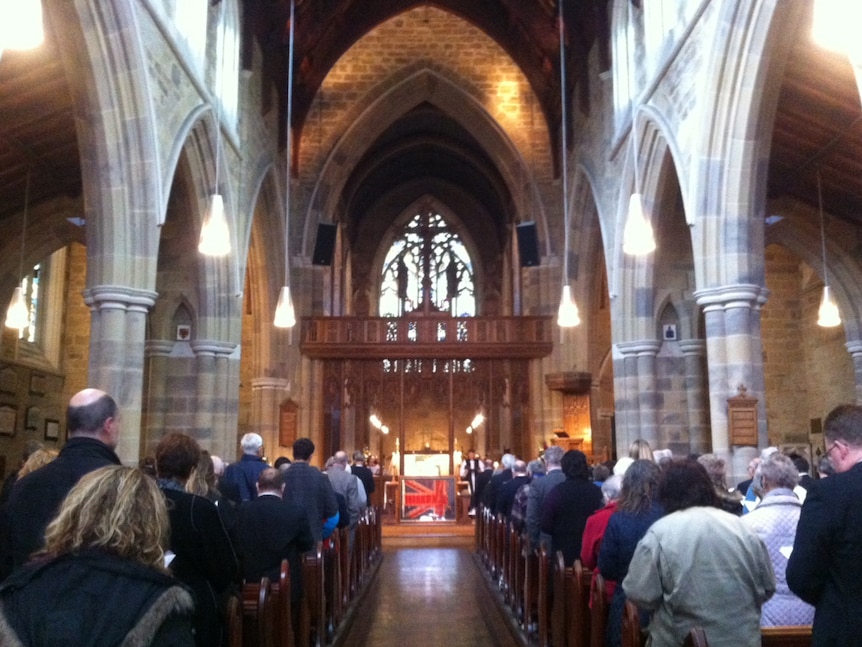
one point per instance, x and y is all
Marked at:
(203, 557)
(100, 580)
(92, 421)
(568, 505)
(269, 530)
(358, 469)
(825, 567)
(492, 490)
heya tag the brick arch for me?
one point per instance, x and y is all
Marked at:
(396, 98)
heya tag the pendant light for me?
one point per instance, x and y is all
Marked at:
(285, 315)
(638, 238)
(828, 315)
(215, 235)
(18, 313)
(567, 314)
(22, 27)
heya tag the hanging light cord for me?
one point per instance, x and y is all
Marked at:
(24, 227)
(563, 150)
(287, 154)
(822, 233)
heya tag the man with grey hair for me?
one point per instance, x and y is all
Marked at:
(538, 489)
(242, 475)
(489, 496)
(345, 484)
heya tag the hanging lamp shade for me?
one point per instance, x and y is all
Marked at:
(215, 235)
(828, 315)
(285, 315)
(638, 238)
(18, 314)
(567, 315)
(21, 24)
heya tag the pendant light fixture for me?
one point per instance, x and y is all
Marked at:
(828, 315)
(285, 315)
(18, 313)
(567, 314)
(638, 238)
(215, 235)
(22, 27)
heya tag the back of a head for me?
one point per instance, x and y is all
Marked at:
(303, 448)
(844, 423)
(519, 468)
(251, 444)
(611, 487)
(176, 455)
(116, 509)
(282, 462)
(358, 457)
(800, 462)
(601, 473)
(574, 465)
(218, 465)
(778, 471)
(508, 461)
(270, 480)
(341, 459)
(37, 459)
(553, 455)
(535, 467)
(88, 417)
(639, 486)
(640, 448)
(716, 468)
(685, 484)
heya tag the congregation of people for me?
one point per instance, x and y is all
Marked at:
(668, 534)
(95, 553)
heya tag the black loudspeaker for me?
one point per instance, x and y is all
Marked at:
(528, 244)
(324, 246)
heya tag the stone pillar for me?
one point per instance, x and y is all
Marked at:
(118, 317)
(267, 394)
(855, 349)
(694, 351)
(210, 399)
(735, 356)
(157, 352)
(641, 393)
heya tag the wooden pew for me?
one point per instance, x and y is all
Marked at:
(695, 638)
(785, 636)
(233, 621)
(312, 617)
(334, 602)
(258, 622)
(632, 636)
(531, 588)
(544, 590)
(579, 626)
(516, 597)
(598, 611)
(282, 608)
(560, 604)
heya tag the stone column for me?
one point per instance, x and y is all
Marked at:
(267, 394)
(118, 317)
(641, 393)
(694, 351)
(157, 352)
(734, 353)
(210, 399)
(855, 349)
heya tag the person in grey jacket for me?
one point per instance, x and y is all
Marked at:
(774, 521)
(538, 489)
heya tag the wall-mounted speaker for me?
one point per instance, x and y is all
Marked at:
(528, 244)
(324, 245)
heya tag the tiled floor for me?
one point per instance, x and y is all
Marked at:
(428, 597)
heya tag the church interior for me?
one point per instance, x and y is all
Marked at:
(422, 180)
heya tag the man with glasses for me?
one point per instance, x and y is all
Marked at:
(825, 567)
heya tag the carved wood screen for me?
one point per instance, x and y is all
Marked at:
(427, 405)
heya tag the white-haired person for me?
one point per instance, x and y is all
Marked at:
(100, 580)
(241, 477)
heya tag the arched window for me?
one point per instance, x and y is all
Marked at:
(190, 18)
(227, 66)
(427, 269)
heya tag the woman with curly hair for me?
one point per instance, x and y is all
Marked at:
(637, 509)
(100, 580)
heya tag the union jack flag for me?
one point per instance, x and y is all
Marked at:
(428, 496)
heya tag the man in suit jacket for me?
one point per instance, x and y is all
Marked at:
(269, 530)
(92, 421)
(825, 567)
(539, 489)
(307, 487)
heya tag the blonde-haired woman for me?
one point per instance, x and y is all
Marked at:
(100, 580)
